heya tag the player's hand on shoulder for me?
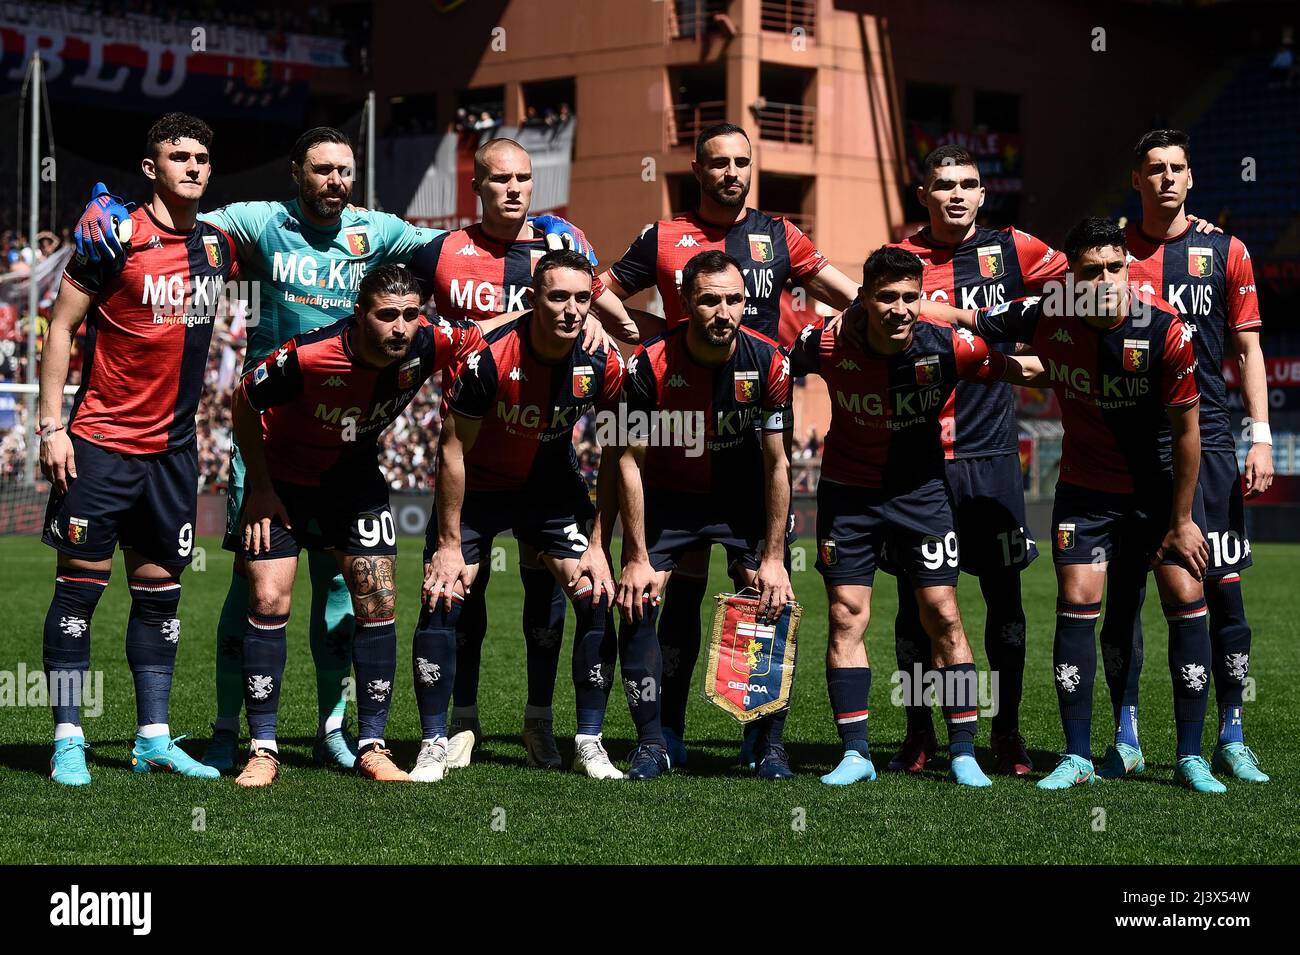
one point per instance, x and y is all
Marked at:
(58, 464)
(262, 507)
(444, 571)
(96, 236)
(774, 589)
(1203, 226)
(638, 589)
(595, 340)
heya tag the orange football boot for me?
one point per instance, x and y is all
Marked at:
(375, 762)
(262, 769)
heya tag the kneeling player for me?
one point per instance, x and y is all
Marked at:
(126, 468)
(1123, 365)
(307, 420)
(883, 496)
(507, 463)
(695, 473)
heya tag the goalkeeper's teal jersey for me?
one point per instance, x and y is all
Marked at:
(308, 276)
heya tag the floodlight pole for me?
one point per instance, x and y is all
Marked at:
(33, 294)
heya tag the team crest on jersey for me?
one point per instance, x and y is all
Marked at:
(212, 246)
(584, 381)
(358, 240)
(927, 370)
(1200, 263)
(1064, 536)
(990, 257)
(746, 385)
(408, 374)
(1136, 354)
(760, 247)
(77, 529)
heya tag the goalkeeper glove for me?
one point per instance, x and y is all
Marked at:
(568, 234)
(96, 236)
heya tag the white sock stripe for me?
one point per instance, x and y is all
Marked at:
(155, 588)
(964, 719)
(1187, 614)
(376, 621)
(267, 626)
(1079, 614)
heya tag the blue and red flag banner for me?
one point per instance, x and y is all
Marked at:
(750, 670)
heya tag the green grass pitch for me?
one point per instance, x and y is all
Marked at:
(498, 810)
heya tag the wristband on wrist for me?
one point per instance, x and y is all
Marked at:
(1260, 433)
(48, 430)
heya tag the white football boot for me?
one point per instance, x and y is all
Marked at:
(431, 764)
(459, 749)
(590, 757)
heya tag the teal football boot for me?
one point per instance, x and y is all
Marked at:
(1239, 761)
(1070, 771)
(222, 751)
(161, 753)
(853, 768)
(68, 764)
(1194, 773)
(1121, 760)
(336, 749)
(965, 771)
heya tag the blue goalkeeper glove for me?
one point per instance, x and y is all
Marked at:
(568, 234)
(96, 235)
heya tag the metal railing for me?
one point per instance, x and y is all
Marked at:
(784, 16)
(786, 123)
(685, 121)
(691, 19)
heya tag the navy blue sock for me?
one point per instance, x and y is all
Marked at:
(66, 644)
(153, 634)
(679, 642)
(1230, 644)
(434, 662)
(959, 699)
(374, 660)
(1189, 668)
(1121, 637)
(470, 633)
(544, 610)
(1004, 645)
(638, 651)
(912, 647)
(1074, 666)
(595, 650)
(1126, 726)
(850, 692)
(265, 651)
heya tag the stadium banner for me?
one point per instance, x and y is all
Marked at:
(750, 671)
(147, 63)
(1283, 373)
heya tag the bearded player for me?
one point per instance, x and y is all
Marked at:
(883, 494)
(308, 418)
(506, 462)
(125, 468)
(772, 251)
(720, 480)
(1210, 281)
(308, 255)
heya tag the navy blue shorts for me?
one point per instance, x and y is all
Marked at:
(910, 532)
(554, 520)
(144, 502)
(988, 500)
(1225, 513)
(678, 523)
(351, 517)
(1092, 526)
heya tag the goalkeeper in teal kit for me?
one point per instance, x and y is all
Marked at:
(308, 256)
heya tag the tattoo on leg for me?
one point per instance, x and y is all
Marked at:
(374, 593)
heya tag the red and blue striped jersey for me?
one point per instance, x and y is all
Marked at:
(886, 409)
(770, 250)
(324, 408)
(471, 275)
(147, 336)
(1113, 384)
(529, 407)
(702, 422)
(991, 267)
(1208, 280)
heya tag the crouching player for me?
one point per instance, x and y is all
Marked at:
(695, 472)
(883, 495)
(307, 419)
(125, 470)
(506, 462)
(1123, 365)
